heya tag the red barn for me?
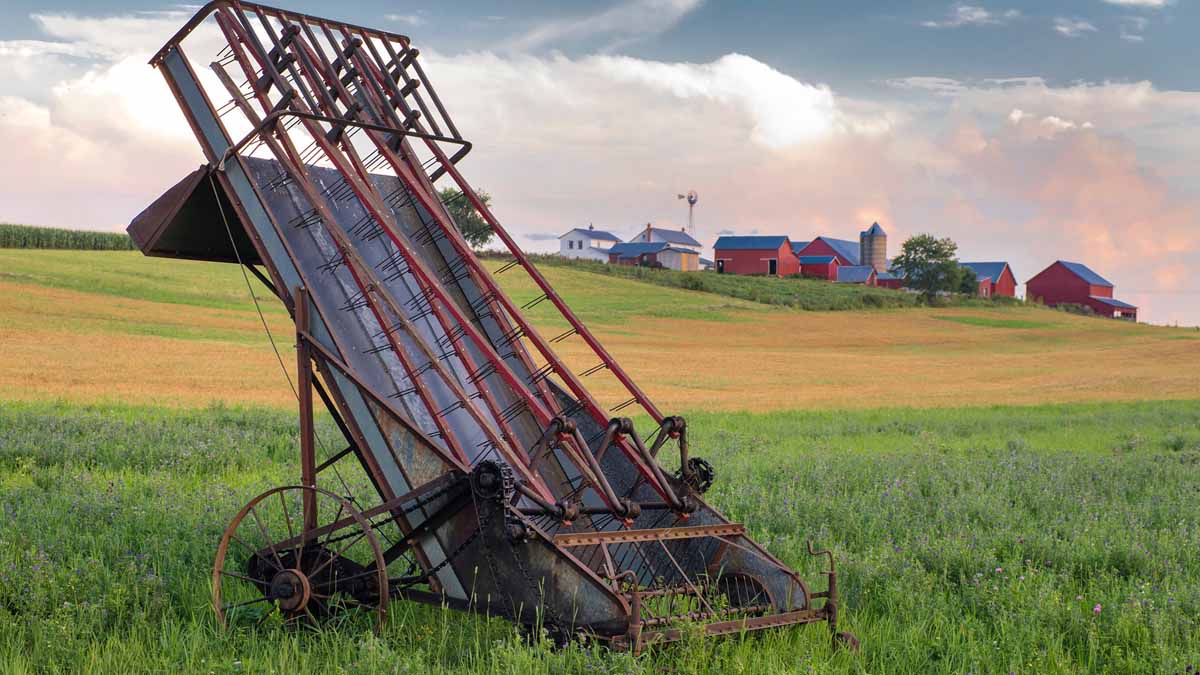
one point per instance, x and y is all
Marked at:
(819, 266)
(844, 250)
(995, 278)
(771, 255)
(1075, 283)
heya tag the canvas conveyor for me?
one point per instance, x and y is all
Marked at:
(478, 470)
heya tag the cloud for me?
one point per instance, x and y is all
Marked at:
(622, 23)
(1073, 28)
(1146, 4)
(960, 15)
(1011, 168)
(1132, 28)
(406, 19)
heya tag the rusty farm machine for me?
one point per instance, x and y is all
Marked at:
(478, 470)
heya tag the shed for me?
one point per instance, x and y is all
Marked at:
(819, 266)
(995, 278)
(857, 274)
(759, 254)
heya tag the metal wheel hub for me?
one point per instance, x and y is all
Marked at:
(290, 588)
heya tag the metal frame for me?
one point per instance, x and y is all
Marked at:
(540, 494)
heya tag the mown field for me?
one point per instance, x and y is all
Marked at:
(1051, 539)
(118, 327)
(1007, 489)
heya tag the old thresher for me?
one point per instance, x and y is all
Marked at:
(478, 469)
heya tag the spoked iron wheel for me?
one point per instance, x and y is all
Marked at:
(271, 567)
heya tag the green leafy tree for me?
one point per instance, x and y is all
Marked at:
(968, 283)
(473, 227)
(930, 264)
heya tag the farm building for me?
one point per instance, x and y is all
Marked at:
(1075, 283)
(872, 248)
(770, 255)
(589, 244)
(857, 274)
(995, 278)
(893, 280)
(846, 251)
(676, 238)
(656, 254)
(819, 266)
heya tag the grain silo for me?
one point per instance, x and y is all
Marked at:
(872, 248)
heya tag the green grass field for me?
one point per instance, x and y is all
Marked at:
(141, 406)
(1055, 539)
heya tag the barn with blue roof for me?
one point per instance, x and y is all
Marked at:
(756, 254)
(995, 278)
(1073, 283)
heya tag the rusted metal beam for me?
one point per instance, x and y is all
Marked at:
(660, 534)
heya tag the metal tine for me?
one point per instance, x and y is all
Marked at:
(541, 374)
(511, 336)
(535, 302)
(333, 263)
(395, 260)
(403, 393)
(507, 266)
(454, 271)
(396, 275)
(514, 411)
(429, 236)
(385, 347)
(482, 372)
(305, 220)
(624, 405)
(594, 369)
(456, 405)
(449, 339)
(572, 409)
(362, 226)
(399, 325)
(356, 302)
(282, 179)
(564, 335)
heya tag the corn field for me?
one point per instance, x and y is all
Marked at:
(25, 236)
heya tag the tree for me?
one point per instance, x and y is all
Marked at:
(473, 227)
(929, 264)
(968, 283)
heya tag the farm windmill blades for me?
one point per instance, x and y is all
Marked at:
(479, 469)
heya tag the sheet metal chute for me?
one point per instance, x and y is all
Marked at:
(478, 470)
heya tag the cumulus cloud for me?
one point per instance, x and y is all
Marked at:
(1148, 4)
(622, 24)
(1012, 168)
(406, 19)
(960, 15)
(1073, 27)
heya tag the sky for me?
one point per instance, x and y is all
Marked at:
(1025, 131)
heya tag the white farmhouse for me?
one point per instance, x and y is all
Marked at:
(589, 244)
(676, 238)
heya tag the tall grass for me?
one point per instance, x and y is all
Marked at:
(1054, 539)
(26, 236)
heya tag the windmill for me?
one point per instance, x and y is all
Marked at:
(691, 198)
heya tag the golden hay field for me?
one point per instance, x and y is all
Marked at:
(115, 326)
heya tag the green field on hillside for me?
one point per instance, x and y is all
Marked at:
(1055, 539)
